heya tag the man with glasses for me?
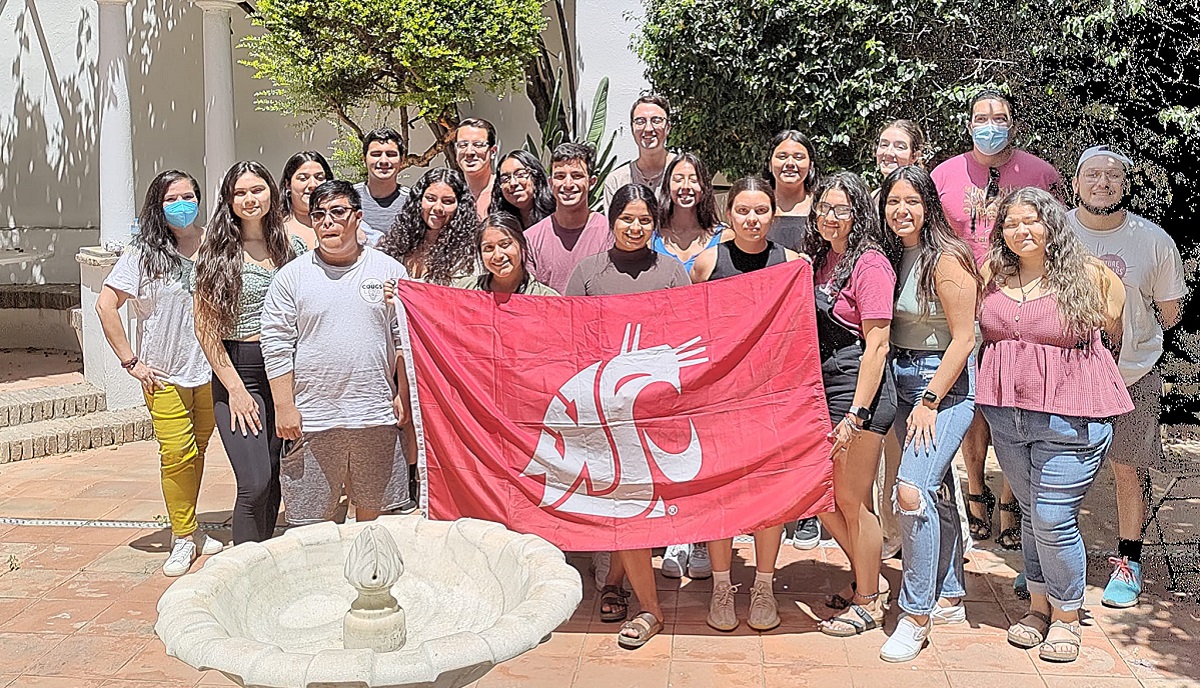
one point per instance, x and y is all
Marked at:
(382, 195)
(650, 121)
(970, 186)
(1149, 265)
(332, 347)
(474, 155)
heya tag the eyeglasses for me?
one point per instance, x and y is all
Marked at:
(657, 121)
(1112, 176)
(517, 176)
(841, 212)
(339, 213)
(477, 145)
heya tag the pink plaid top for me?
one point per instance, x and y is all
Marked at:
(1029, 362)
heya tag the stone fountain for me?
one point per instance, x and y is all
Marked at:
(401, 602)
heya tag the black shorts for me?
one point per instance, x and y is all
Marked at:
(840, 374)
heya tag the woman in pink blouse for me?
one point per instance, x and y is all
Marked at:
(1049, 389)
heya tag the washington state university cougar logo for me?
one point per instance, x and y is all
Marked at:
(593, 455)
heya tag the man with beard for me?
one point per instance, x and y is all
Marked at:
(382, 195)
(650, 121)
(1148, 263)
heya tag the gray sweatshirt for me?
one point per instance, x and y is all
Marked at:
(331, 326)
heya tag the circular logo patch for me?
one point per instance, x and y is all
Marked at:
(371, 290)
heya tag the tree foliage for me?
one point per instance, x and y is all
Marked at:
(359, 63)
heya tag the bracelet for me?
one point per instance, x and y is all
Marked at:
(854, 422)
(130, 364)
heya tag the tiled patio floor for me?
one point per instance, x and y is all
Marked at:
(77, 607)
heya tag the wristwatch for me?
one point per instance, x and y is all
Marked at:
(862, 413)
(930, 396)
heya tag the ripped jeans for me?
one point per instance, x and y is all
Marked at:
(932, 544)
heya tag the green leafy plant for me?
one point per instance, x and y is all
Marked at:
(13, 562)
(365, 63)
(560, 127)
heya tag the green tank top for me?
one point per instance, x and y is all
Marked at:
(255, 282)
(909, 329)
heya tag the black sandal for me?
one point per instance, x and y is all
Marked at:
(865, 621)
(1010, 538)
(981, 528)
(616, 599)
(836, 601)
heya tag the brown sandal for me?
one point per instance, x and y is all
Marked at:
(646, 625)
(1027, 635)
(616, 599)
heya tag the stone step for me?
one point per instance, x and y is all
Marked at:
(48, 403)
(80, 433)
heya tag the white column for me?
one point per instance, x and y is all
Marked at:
(118, 205)
(219, 151)
(117, 197)
(601, 34)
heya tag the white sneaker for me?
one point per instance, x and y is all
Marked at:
(949, 615)
(601, 562)
(907, 641)
(211, 546)
(675, 561)
(699, 565)
(183, 553)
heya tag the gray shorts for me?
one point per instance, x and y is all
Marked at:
(368, 462)
(1137, 438)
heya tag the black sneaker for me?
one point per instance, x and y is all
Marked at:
(807, 535)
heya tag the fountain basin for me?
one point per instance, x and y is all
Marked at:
(269, 615)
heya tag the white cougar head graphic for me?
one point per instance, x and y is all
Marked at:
(595, 459)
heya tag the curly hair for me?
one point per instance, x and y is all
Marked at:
(543, 200)
(1068, 276)
(454, 249)
(219, 270)
(706, 206)
(864, 229)
(937, 237)
(157, 245)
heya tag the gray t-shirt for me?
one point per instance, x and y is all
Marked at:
(331, 326)
(166, 331)
(380, 213)
(626, 272)
(630, 174)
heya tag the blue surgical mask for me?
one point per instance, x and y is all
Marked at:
(181, 213)
(990, 139)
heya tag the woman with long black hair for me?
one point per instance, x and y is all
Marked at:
(434, 235)
(302, 173)
(245, 246)
(156, 274)
(521, 188)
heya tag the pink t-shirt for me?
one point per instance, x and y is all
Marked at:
(556, 250)
(962, 186)
(869, 292)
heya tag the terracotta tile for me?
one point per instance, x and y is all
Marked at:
(38, 534)
(127, 683)
(1160, 660)
(215, 678)
(58, 507)
(87, 656)
(1090, 682)
(982, 618)
(56, 616)
(67, 557)
(716, 649)
(31, 583)
(137, 510)
(10, 607)
(981, 652)
(6, 679)
(28, 681)
(116, 490)
(814, 649)
(899, 676)
(96, 586)
(627, 672)
(528, 672)
(715, 675)
(974, 679)
(602, 645)
(561, 645)
(978, 588)
(1170, 683)
(1097, 657)
(153, 664)
(127, 617)
(863, 651)
(23, 650)
(805, 676)
(126, 559)
(95, 535)
(16, 552)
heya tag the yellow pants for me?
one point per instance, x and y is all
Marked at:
(183, 423)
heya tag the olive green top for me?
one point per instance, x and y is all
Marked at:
(912, 329)
(255, 281)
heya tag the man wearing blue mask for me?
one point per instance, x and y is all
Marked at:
(970, 186)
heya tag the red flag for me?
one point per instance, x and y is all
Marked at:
(623, 422)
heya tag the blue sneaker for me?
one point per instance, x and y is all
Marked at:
(1125, 584)
(1020, 587)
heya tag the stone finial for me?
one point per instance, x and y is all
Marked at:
(375, 620)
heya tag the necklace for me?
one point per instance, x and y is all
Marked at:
(1027, 289)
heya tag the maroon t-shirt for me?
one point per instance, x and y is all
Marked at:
(557, 250)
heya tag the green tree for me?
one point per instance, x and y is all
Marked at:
(362, 63)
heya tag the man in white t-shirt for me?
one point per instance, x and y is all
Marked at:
(1149, 265)
(650, 121)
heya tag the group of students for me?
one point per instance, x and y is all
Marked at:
(955, 308)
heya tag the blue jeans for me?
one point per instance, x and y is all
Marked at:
(933, 547)
(1050, 462)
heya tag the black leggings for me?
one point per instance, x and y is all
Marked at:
(255, 458)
